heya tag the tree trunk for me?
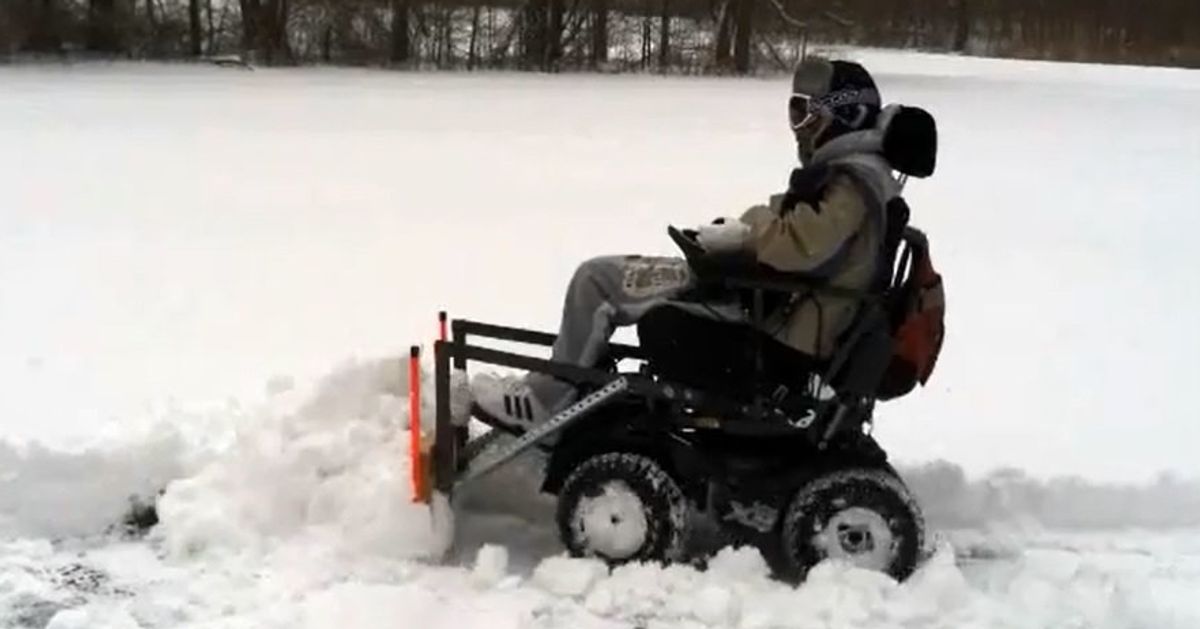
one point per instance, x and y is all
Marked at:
(741, 46)
(471, 58)
(646, 30)
(280, 48)
(725, 33)
(43, 32)
(153, 44)
(264, 30)
(194, 28)
(250, 10)
(962, 26)
(664, 37)
(400, 41)
(533, 32)
(212, 32)
(447, 38)
(599, 32)
(102, 35)
(554, 35)
(437, 42)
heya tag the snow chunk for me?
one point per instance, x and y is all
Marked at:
(717, 605)
(91, 617)
(739, 564)
(491, 565)
(569, 576)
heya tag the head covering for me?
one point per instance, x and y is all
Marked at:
(830, 99)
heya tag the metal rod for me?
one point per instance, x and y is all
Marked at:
(571, 414)
(462, 434)
(531, 337)
(444, 446)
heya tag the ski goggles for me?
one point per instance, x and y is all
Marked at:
(801, 112)
(804, 110)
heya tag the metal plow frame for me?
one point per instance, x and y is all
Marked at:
(455, 459)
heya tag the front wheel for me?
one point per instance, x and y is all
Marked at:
(622, 507)
(866, 517)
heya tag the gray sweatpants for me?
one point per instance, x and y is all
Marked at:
(605, 293)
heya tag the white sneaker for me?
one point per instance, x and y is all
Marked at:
(508, 399)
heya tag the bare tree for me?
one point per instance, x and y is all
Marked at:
(400, 40)
(212, 31)
(44, 35)
(471, 58)
(721, 35)
(264, 30)
(741, 45)
(725, 34)
(102, 33)
(195, 30)
(962, 24)
(664, 36)
(599, 47)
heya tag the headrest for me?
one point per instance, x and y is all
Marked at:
(910, 140)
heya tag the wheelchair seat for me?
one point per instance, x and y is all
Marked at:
(720, 356)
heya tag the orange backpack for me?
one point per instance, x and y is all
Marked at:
(918, 310)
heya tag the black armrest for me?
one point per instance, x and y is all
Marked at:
(740, 271)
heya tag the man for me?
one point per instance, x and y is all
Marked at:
(829, 224)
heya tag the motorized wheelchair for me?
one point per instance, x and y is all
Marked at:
(772, 445)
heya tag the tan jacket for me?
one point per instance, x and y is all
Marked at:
(839, 240)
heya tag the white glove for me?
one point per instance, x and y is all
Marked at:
(724, 236)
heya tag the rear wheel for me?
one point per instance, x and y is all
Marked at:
(866, 517)
(622, 507)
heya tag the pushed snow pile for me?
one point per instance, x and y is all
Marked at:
(70, 493)
(328, 461)
(336, 468)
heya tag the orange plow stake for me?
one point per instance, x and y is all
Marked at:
(417, 455)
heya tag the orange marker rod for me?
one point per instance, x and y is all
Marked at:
(420, 491)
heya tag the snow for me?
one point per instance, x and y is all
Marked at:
(567, 576)
(491, 565)
(211, 279)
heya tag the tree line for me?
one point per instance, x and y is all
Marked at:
(688, 36)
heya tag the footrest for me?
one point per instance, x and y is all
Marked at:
(476, 446)
(492, 460)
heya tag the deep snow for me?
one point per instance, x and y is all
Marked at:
(185, 251)
(304, 521)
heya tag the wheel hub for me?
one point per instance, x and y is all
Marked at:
(859, 536)
(612, 523)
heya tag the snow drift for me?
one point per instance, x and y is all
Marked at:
(333, 461)
(313, 488)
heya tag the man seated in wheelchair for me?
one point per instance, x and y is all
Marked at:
(831, 225)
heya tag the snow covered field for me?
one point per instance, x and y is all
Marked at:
(209, 276)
